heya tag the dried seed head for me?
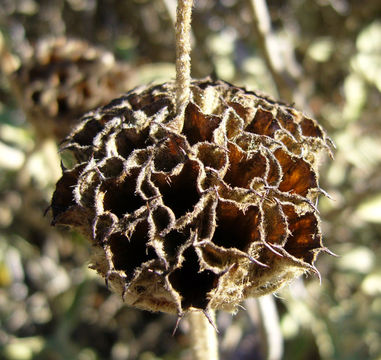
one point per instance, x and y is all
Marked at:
(65, 78)
(198, 217)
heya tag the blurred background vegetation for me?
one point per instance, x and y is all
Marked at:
(322, 55)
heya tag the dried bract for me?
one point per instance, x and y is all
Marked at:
(195, 214)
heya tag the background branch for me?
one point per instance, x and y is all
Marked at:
(268, 43)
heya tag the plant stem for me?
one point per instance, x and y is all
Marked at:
(183, 49)
(268, 43)
(170, 5)
(203, 334)
(203, 337)
(263, 310)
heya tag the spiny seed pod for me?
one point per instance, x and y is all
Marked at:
(64, 79)
(199, 215)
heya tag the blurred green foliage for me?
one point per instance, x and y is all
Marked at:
(53, 307)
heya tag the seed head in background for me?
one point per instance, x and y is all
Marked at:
(62, 79)
(197, 216)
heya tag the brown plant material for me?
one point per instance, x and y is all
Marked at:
(63, 79)
(200, 217)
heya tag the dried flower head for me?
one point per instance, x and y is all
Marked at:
(63, 79)
(195, 214)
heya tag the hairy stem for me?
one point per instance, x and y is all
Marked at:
(183, 49)
(203, 337)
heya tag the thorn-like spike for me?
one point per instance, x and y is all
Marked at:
(223, 272)
(107, 278)
(202, 243)
(210, 319)
(272, 249)
(62, 148)
(124, 292)
(93, 230)
(325, 249)
(135, 302)
(66, 139)
(99, 173)
(278, 296)
(256, 193)
(317, 272)
(216, 192)
(179, 318)
(47, 210)
(312, 205)
(257, 261)
(63, 167)
(323, 192)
